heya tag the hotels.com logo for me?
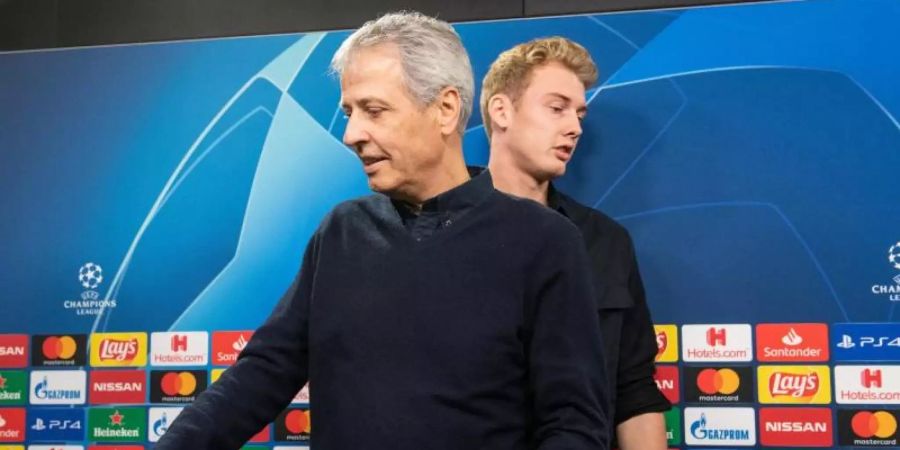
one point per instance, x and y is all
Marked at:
(178, 343)
(716, 336)
(870, 378)
(190, 348)
(796, 427)
(867, 384)
(717, 343)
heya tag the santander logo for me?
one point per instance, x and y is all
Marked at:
(792, 339)
(118, 350)
(793, 385)
(239, 344)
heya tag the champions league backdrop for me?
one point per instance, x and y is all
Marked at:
(157, 200)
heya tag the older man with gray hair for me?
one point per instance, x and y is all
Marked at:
(437, 313)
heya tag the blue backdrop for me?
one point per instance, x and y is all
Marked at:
(752, 151)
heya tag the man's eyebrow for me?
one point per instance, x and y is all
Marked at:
(362, 102)
(565, 98)
(560, 96)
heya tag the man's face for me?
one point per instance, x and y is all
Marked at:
(397, 139)
(545, 122)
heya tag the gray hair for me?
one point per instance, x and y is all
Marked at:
(431, 53)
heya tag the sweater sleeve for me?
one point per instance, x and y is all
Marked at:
(267, 375)
(567, 371)
(637, 392)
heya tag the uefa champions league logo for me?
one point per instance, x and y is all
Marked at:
(90, 275)
(891, 291)
(894, 257)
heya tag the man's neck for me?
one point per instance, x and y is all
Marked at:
(509, 178)
(451, 173)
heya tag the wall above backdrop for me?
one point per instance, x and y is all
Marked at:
(32, 24)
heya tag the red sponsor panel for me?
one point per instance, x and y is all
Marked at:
(226, 345)
(264, 435)
(12, 424)
(796, 427)
(792, 342)
(117, 387)
(13, 350)
(667, 381)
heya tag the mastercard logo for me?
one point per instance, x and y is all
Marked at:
(718, 381)
(297, 422)
(879, 424)
(178, 383)
(59, 347)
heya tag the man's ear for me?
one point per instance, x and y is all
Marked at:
(500, 111)
(449, 109)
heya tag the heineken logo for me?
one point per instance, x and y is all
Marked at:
(13, 387)
(117, 424)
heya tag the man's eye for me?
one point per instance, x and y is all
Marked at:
(374, 112)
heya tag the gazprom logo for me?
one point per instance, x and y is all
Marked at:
(720, 426)
(60, 387)
(701, 432)
(42, 391)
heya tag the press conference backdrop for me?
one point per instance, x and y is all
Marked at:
(157, 200)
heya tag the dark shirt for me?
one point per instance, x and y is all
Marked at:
(471, 325)
(628, 336)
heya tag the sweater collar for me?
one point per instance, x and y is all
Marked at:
(460, 198)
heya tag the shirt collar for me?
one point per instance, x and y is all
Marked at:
(458, 199)
(556, 201)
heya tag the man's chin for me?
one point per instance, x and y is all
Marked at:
(382, 186)
(551, 172)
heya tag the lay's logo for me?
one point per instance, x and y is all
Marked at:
(794, 384)
(666, 343)
(119, 349)
(797, 386)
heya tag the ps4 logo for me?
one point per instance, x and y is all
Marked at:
(847, 342)
(55, 424)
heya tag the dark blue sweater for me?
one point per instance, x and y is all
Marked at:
(471, 327)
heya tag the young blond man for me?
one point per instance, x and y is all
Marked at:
(533, 104)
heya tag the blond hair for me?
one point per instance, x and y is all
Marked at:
(510, 73)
